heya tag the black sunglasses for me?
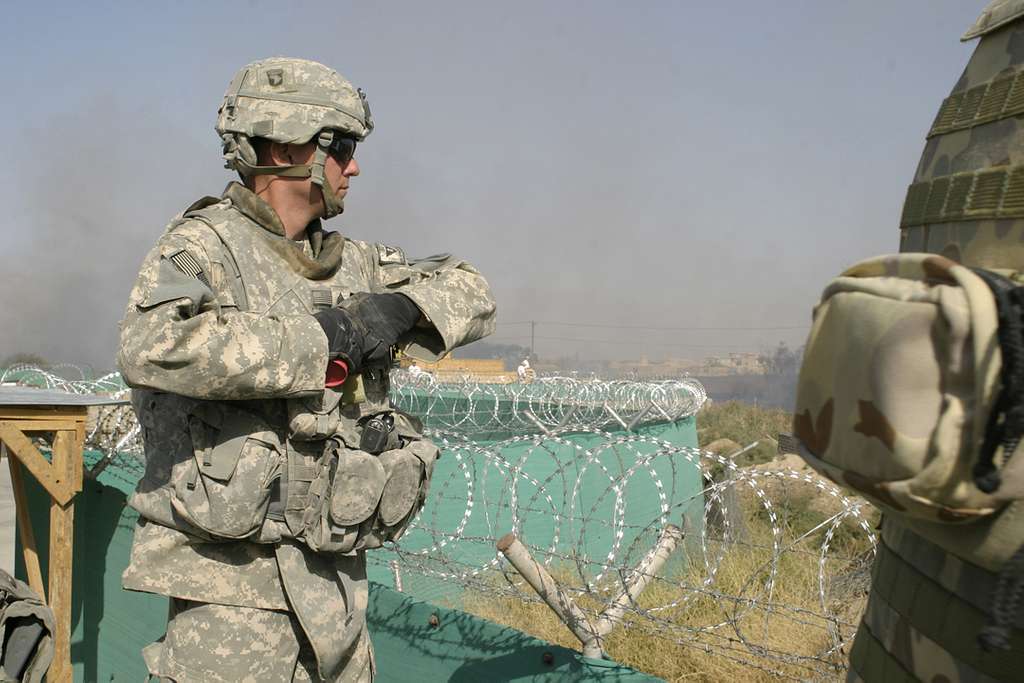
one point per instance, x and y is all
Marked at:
(342, 148)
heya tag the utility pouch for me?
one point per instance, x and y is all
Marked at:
(225, 489)
(904, 383)
(314, 418)
(360, 500)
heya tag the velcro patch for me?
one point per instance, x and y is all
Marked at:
(322, 298)
(390, 255)
(188, 265)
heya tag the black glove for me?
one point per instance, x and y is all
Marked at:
(363, 328)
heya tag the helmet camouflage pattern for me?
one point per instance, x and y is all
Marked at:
(290, 101)
(967, 198)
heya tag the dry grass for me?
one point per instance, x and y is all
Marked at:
(770, 634)
(675, 650)
(744, 424)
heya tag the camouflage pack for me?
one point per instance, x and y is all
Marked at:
(899, 384)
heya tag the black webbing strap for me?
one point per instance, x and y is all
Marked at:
(1006, 421)
(1005, 428)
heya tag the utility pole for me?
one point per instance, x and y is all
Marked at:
(533, 327)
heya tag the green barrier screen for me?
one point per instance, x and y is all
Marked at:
(110, 626)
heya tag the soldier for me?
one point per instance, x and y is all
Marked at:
(936, 584)
(258, 346)
(927, 429)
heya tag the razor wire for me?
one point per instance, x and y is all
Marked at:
(590, 508)
(577, 471)
(478, 408)
(475, 409)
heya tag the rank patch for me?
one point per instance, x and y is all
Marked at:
(390, 255)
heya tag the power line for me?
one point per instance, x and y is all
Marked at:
(619, 342)
(657, 327)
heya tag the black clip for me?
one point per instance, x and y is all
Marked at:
(376, 431)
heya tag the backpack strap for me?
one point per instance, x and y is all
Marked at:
(236, 283)
(1005, 428)
(1006, 421)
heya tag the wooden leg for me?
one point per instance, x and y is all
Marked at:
(28, 538)
(62, 525)
(62, 532)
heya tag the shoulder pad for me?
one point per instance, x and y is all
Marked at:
(996, 14)
(438, 258)
(388, 255)
(202, 204)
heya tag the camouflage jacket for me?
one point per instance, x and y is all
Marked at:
(221, 314)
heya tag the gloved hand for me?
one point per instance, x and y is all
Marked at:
(362, 329)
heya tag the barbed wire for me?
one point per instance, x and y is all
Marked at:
(722, 594)
(478, 408)
(768, 573)
(55, 378)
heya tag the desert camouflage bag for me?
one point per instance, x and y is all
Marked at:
(910, 390)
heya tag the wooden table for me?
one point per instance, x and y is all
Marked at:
(24, 412)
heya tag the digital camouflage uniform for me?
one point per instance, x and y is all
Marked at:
(933, 582)
(242, 439)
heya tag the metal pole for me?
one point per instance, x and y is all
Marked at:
(397, 574)
(560, 603)
(642, 575)
(591, 636)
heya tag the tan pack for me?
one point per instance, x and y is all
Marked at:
(902, 379)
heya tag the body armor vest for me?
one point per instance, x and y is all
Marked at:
(282, 468)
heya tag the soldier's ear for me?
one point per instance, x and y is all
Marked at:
(281, 154)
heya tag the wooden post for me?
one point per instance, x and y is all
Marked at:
(62, 535)
(61, 477)
(28, 538)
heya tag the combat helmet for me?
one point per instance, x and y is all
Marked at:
(290, 101)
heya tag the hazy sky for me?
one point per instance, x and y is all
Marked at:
(665, 164)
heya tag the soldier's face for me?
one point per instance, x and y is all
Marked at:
(338, 173)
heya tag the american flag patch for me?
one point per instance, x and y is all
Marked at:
(188, 265)
(322, 298)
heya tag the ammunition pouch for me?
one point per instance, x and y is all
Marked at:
(906, 377)
(346, 477)
(358, 500)
(225, 488)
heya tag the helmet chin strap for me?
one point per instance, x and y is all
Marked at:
(332, 205)
(314, 171)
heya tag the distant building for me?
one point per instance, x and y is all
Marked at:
(455, 369)
(712, 366)
(732, 364)
(644, 368)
